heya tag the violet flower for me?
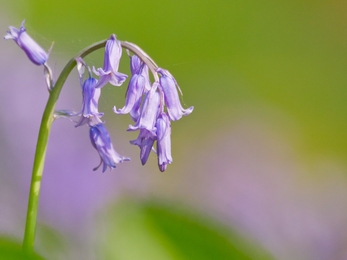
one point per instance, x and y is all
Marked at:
(139, 83)
(149, 111)
(89, 113)
(145, 142)
(109, 73)
(34, 51)
(169, 87)
(163, 141)
(101, 141)
(137, 66)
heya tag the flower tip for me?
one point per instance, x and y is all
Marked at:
(132, 128)
(114, 109)
(189, 110)
(162, 167)
(143, 161)
(117, 111)
(110, 166)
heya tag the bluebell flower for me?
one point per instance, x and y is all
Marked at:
(34, 51)
(163, 141)
(101, 141)
(139, 84)
(137, 66)
(169, 87)
(109, 73)
(91, 95)
(149, 111)
(145, 142)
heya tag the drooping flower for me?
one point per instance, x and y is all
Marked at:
(101, 141)
(35, 53)
(163, 141)
(149, 111)
(133, 96)
(137, 66)
(109, 73)
(145, 142)
(169, 87)
(139, 84)
(89, 113)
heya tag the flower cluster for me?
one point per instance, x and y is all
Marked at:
(152, 105)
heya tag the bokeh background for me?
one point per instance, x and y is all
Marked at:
(259, 167)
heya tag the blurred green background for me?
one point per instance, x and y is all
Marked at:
(261, 160)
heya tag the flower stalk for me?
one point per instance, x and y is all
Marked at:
(45, 128)
(151, 106)
(41, 147)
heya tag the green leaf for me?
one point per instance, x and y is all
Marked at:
(10, 249)
(154, 231)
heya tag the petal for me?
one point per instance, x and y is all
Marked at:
(109, 73)
(80, 68)
(90, 98)
(12, 34)
(145, 141)
(91, 120)
(144, 73)
(133, 95)
(104, 77)
(89, 113)
(163, 141)
(135, 64)
(172, 101)
(149, 111)
(113, 53)
(117, 78)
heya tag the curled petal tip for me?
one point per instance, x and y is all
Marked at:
(114, 109)
(188, 110)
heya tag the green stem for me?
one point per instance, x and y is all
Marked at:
(41, 147)
(45, 128)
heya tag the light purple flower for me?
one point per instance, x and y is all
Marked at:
(139, 84)
(169, 86)
(101, 141)
(145, 141)
(133, 97)
(163, 141)
(89, 112)
(34, 51)
(109, 73)
(149, 111)
(137, 66)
